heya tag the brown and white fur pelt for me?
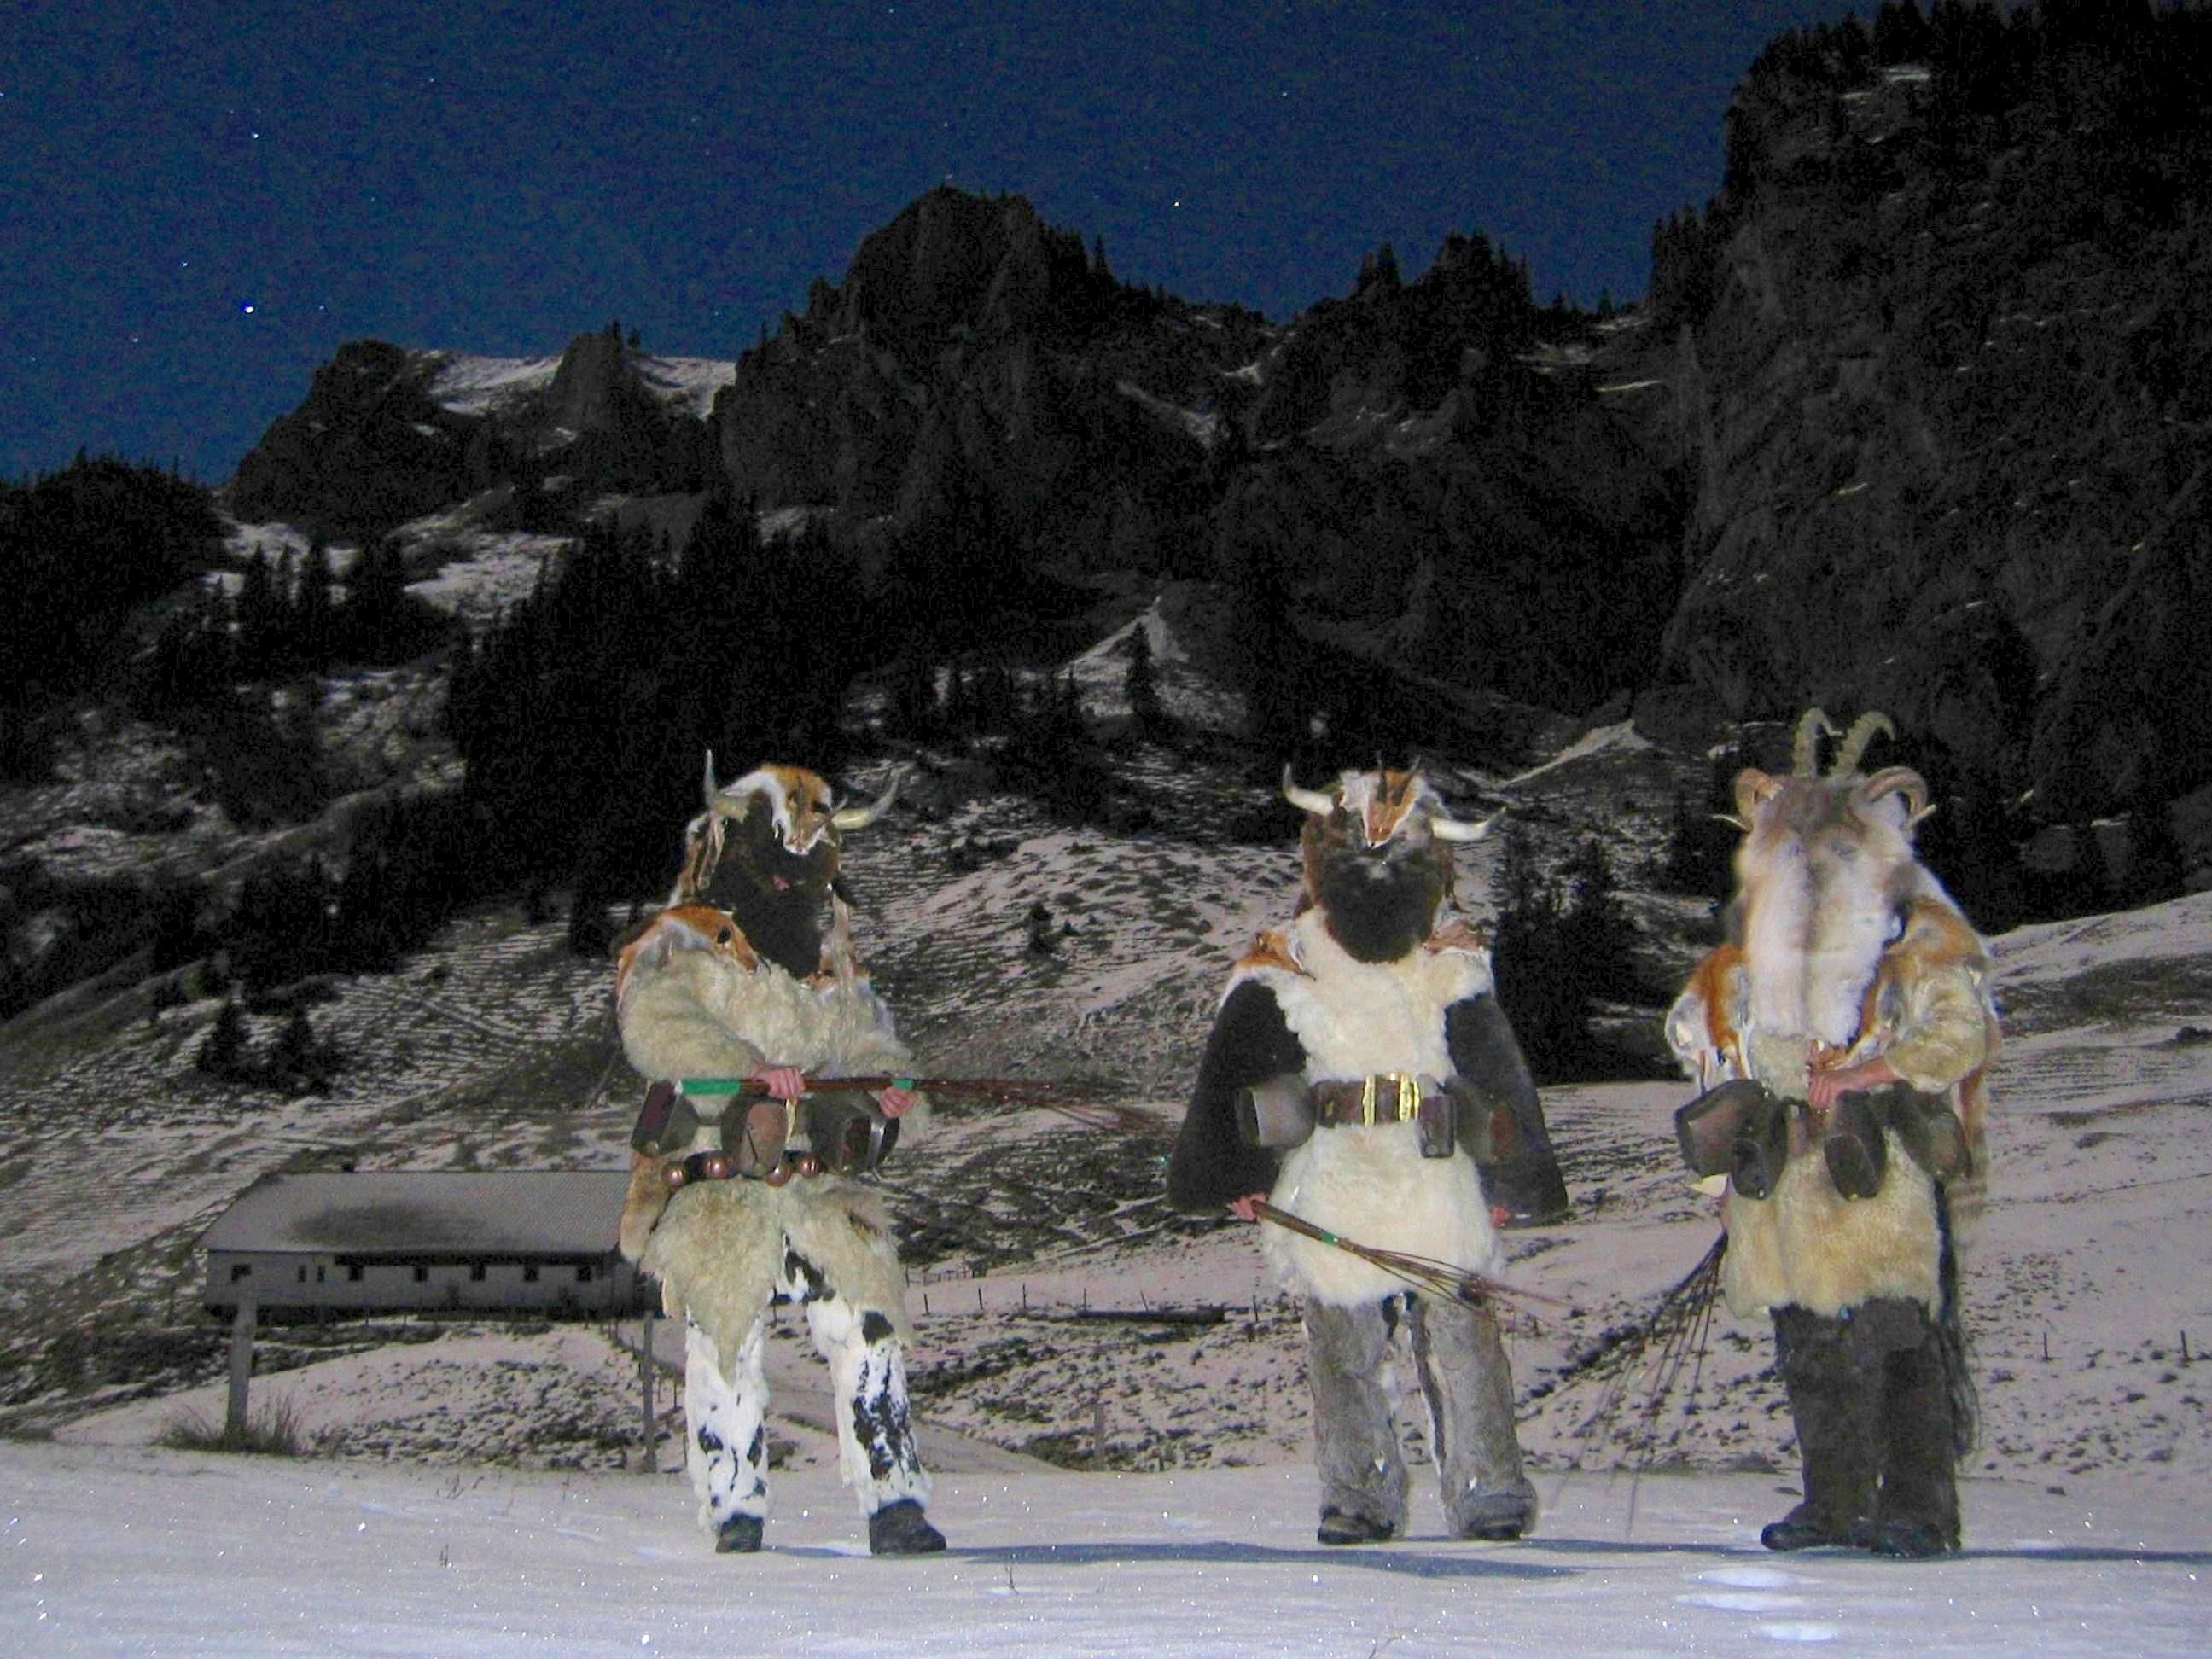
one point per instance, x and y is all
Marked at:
(1846, 947)
(692, 1000)
(1377, 859)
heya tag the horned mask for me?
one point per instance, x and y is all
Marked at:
(1377, 856)
(1826, 862)
(766, 849)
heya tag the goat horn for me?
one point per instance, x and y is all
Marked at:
(1306, 800)
(1895, 780)
(859, 817)
(711, 785)
(1805, 746)
(1856, 741)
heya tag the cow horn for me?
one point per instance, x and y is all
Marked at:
(1306, 800)
(1805, 746)
(859, 817)
(1899, 780)
(733, 799)
(1450, 829)
(1856, 741)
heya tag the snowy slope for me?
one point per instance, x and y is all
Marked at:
(1040, 1248)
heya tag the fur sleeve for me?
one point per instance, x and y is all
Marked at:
(669, 1027)
(1250, 1043)
(1493, 1072)
(1944, 1033)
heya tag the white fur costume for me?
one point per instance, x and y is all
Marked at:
(1360, 1019)
(1850, 965)
(1849, 949)
(1372, 987)
(1919, 998)
(692, 1000)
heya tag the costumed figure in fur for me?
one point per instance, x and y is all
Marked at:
(1357, 1070)
(737, 1202)
(1842, 1033)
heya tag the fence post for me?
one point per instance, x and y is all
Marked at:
(241, 1366)
(650, 1462)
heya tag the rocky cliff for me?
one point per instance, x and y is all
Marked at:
(387, 435)
(1946, 379)
(1915, 417)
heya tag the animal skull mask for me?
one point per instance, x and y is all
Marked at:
(1825, 865)
(767, 850)
(1377, 854)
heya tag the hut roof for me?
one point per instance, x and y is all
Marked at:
(507, 1211)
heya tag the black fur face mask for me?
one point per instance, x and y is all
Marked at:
(1380, 905)
(776, 895)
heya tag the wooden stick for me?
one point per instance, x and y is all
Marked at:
(1440, 1278)
(1000, 1090)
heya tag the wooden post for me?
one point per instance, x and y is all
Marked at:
(650, 1462)
(241, 1366)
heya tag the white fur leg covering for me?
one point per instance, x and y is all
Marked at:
(726, 1412)
(877, 1455)
(1810, 1246)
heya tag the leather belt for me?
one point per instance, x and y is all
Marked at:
(1385, 1097)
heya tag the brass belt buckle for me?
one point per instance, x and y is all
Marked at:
(1408, 1103)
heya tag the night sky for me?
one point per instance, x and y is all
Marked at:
(201, 199)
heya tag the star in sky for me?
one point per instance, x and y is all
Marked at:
(247, 186)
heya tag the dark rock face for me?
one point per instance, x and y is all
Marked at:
(367, 449)
(372, 447)
(599, 423)
(1393, 462)
(1914, 419)
(1949, 408)
(973, 347)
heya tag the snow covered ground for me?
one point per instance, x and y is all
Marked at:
(473, 1486)
(112, 1551)
(478, 1490)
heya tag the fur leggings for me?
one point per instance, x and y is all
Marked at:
(725, 1405)
(1461, 1363)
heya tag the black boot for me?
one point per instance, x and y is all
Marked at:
(1855, 1153)
(1829, 1403)
(1345, 1526)
(738, 1535)
(1917, 1513)
(1760, 1149)
(902, 1529)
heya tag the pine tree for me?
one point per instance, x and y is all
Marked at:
(2156, 870)
(1701, 842)
(313, 612)
(299, 1063)
(260, 616)
(1596, 939)
(373, 623)
(223, 1052)
(1141, 685)
(1536, 985)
